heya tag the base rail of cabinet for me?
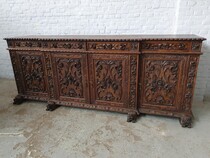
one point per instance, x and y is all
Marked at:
(185, 118)
(53, 105)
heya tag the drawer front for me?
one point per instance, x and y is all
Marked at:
(48, 45)
(113, 46)
(162, 81)
(166, 46)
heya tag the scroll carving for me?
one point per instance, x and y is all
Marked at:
(164, 46)
(161, 77)
(109, 80)
(70, 77)
(33, 73)
(190, 83)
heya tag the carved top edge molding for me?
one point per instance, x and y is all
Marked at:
(186, 37)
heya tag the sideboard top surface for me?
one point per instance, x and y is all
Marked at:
(110, 37)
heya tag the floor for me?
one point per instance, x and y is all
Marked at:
(27, 130)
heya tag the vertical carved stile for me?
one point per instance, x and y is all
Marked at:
(192, 71)
(133, 77)
(49, 75)
(16, 72)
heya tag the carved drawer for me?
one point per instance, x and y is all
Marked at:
(47, 45)
(25, 44)
(113, 46)
(165, 46)
(66, 45)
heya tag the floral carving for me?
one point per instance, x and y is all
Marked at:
(160, 81)
(70, 77)
(109, 80)
(33, 72)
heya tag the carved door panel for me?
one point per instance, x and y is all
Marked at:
(109, 79)
(71, 77)
(32, 73)
(162, 81)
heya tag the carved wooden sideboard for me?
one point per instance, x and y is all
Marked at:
(133, 74)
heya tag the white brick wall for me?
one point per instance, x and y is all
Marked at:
(46, 17)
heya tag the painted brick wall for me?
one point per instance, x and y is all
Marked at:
(194, 17)
(48, 17)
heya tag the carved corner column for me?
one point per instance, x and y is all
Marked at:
(51, 90)
(187, 118)
(19, 98)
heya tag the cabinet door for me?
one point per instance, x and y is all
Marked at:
(109, 78)
(32, 73)
(70, 72)
(162, 81)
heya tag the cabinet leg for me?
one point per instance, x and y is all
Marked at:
(51, 106)
(186, 121)
(18, 100)
(132, 117)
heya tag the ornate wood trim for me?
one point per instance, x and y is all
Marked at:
(15, 65)
(49, 72)
(112, 38)
(97, 107)
(196, 46)
(133, 81)
(66, 45)
(191, 77)
(113, 46)
(165, 45)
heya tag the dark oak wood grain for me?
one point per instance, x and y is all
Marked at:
(133, 74)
